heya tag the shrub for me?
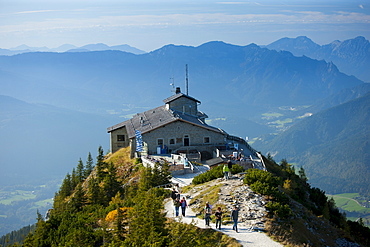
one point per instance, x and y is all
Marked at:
(281, 210)
(215, 173)
(254, 175)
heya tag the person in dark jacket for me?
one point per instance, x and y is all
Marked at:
(230, 165)
(207, 213)
(234, 217)
(218, 215)
(174, 194)
(177, 205)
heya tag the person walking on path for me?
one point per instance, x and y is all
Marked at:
(177, 205)
(183, 206)
(174, 194)
(230, 166)
(218, 215)
(207, 213)
(234, 217)
(226, 171)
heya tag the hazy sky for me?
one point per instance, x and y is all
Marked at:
(150, 24)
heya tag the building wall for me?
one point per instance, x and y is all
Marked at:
(176, 132)
(115, 143)
(184, 104)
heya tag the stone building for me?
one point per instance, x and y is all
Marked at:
(174, 128)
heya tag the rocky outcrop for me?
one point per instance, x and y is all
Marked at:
(252, 211)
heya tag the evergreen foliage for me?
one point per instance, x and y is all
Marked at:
(89, 165)
(214, 173)
(15, 238)
(103, 209)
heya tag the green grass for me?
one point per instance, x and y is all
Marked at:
(347, 202)
(43, 203)
(18, 195)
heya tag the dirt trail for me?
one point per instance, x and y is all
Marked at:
(245, 236)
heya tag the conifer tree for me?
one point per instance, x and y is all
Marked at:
(94, 193)
(74, 179)
(66, 187)
(100, 165)
(79, 199)
(146, 219)
(80, 172)
(302, 174)
(120, 225)
(111, 184)
(89, 165)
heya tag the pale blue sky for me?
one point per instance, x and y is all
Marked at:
(149, 25)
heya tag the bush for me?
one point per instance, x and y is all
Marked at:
(254, 175)
(215, 173)
(281, 210)
(209, 175)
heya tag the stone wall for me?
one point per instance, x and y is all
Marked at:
(176, 132)
(115, 145)
(184, 104)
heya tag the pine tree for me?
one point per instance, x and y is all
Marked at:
(94, 193)
(79, 199)
(74, 179)
(146, 219)
(66, 187)
(120, 225)
(89, 165)
(80, 171)
(110, 183)
(302, 174)
(100, 165)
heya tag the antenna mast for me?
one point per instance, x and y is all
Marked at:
(187, 80)
(172, 84)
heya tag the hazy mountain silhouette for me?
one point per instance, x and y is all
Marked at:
(333, 146)
(70, 48)
(235, 84)
(351, 56)
(39, 142)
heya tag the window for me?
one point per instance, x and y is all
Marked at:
(206, 139)
(172, 141)
(121, 138)
(160, 142)
(186, 140)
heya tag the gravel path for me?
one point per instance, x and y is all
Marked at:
(244, 236)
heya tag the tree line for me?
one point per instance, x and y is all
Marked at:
(128, 191)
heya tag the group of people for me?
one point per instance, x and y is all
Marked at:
(207, 211)
(178, 203)
(218, 215)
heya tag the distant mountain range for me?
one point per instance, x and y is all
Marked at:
(333, 146)
(70, 48)
(42, 142)
(246, 90)
(350, 56)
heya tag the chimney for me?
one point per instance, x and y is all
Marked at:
(178, 90)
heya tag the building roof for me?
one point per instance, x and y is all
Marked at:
(215, 161)
(158, 117)
(178, 95)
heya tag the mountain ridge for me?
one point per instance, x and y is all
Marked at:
(70, 48)
(352, 56)
(345, 169)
